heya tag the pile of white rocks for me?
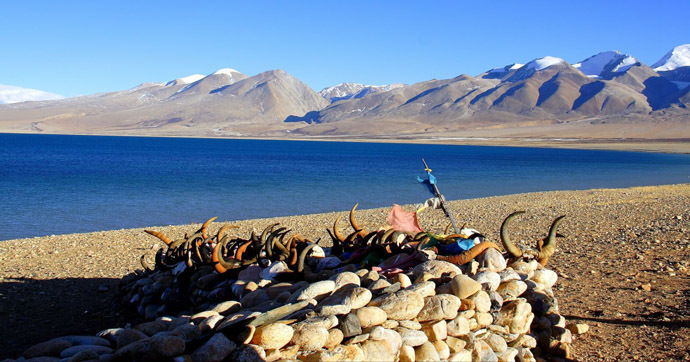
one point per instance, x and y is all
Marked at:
(486, 310)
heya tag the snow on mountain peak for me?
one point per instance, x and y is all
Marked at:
(11, 94)
(185, 80)
(355, 90)
(507, 68)
(676, 58)
(226, 71)
(543, 63)
(604, 62)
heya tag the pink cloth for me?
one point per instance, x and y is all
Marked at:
(403, 221)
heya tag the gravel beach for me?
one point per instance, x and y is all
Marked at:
(624, 267)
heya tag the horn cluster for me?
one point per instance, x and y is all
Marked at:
(545, 247)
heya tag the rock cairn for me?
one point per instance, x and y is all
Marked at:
(487, 309)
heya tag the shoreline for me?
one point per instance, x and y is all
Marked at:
(616, 240)
(672, 146)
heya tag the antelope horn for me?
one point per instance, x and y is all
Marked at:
(143, 263)
(224, 229)
(267, 231)
(303, 257)
(204, 227)
(219, 262)
(513, 250)
(386, 235)
(336, 233)
(467, 256)
(160, 235)
(353, 222)
(447, 230)
(270, 242)
(549, 245)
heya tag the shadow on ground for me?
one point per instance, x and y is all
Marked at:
(33, 311)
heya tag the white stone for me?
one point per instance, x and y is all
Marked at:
(492, 260)
(482, 302)
(489, 278)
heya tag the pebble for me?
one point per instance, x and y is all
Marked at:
(227, 308)
(488, 278)
(458, 327)
(545, 277)
(411, 337)
(492, 260)
(442, 349)
(310, 338)
(52, 347)
(350, 325)
(272, 336)
(318, 290)
(371, 316)
(424, 289)
(435, 331)
(403, 279)
(410, 324)
(378, 351)
(437, 268)
(345, 279)
(578, 328)
(426, 352)
(407, 354)
(248, 353)
(216, 349)
(516, 315)
(71, 351)
(482, 302)
(400, 305)
(438, 307)
(464, 286)
(512, 290)
(335, 337)
(497, 343)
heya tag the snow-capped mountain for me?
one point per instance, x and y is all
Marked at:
(185, 80)
(534, 66)
(604, 63)
(355, 90)
(11, 94)
(674, 59)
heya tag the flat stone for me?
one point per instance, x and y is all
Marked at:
(272, 271)
(442, 349)
(86, 340)
(165, 347)
(151, 328)
(401, 305)
(272, 336)
(371, 316)
(210, 323)
(327, 322)
(497, 343)
(406, 354)
(578, 328)
(85, 355)
(512, 290)
(253, 298)
(379, 285)
(424, 289)
(248, 353)
(517, 315)
(460, 356)
(455, 344)
(201, 316)
(545, 277)
(358, 338)
(127, 336)
(412, 337)
(435, 331)
(491, 259)
(71, 351)
(458, 327)
(310, 338)
(227, 308)
(134, 351)
(464, 286)
(335, 337)
(426, 352)
(318, 290)
(187, 332)
(369, 278)
(437, 268)
(359, 297)
(403, 279)
(488, 278)
(390, 324)
(410, 324)
(482, 302)
(52, 347)
(215, 349)
(483, 319)
(509, 274)
(350, 325)
(438, 307)
(345, 279)
(378, 351)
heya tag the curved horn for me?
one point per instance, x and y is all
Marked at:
(164, 238)
(386, 235)
(224, 229)
(549, 245)
(467, 256)
(143, 263)
(513, 250)
(219, 262)
(205, 225)
(303, 257)
(336, 233)
(267, 231)
(353, 222)
(447, 230)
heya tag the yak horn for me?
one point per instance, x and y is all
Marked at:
(467, 256)
(303, 257)
(353, 222)
(204, 227)
(219, 262)
(549, 244)
(224, 229)
(513, 250)
(160, 235)
(336, 233)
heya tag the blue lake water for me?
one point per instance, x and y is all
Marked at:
(52, 184)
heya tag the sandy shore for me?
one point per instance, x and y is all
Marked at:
(624, 267)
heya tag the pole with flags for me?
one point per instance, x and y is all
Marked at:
(433, 188)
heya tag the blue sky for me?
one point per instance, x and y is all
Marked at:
(83, 47)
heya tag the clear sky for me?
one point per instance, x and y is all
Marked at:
(83, 47)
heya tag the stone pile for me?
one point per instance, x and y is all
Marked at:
(489, 309)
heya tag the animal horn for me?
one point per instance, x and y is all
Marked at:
(204, 227)
(303, 257)
(447, 230)
(467, 256)
(353, 222)
(336, 233)
(548, 247)
(513, 250)
(219, 262)
(160, 235)
(267, 231)
(224, 229)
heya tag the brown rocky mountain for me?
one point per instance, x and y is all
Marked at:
(609, 95)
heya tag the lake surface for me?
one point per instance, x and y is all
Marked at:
(52, 184)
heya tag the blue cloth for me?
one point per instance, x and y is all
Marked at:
(429, 182)
(461, 245)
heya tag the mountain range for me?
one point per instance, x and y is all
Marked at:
(608, 95)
